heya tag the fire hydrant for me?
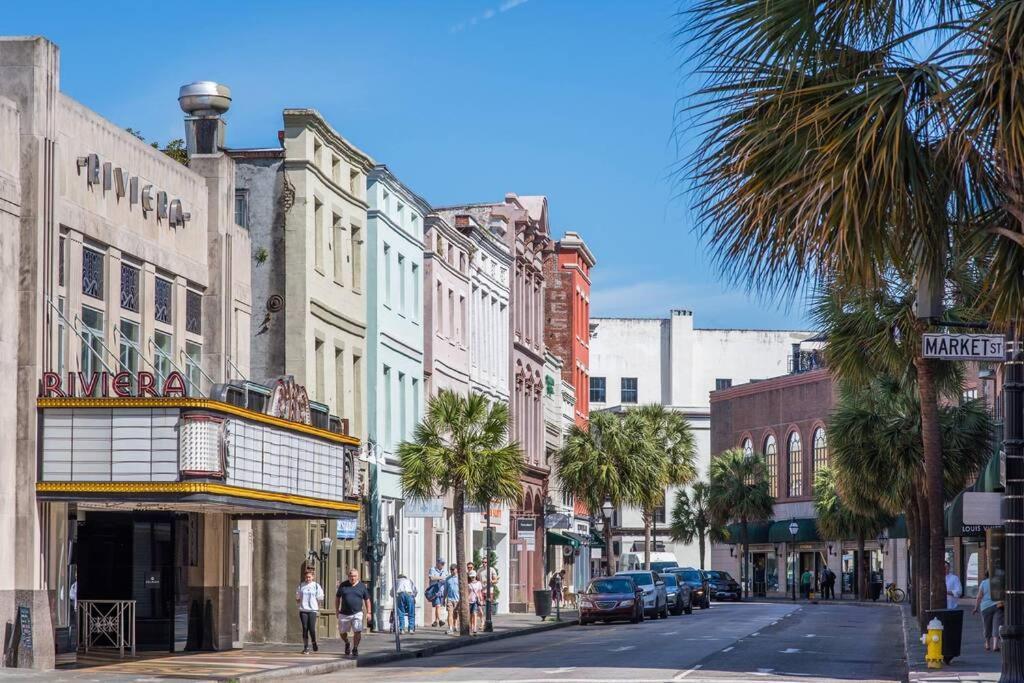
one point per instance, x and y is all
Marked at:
(933, 639)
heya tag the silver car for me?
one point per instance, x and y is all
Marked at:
(655, 596)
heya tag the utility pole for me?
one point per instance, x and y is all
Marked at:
(488, 624)
(1012, 631)
(374, 536)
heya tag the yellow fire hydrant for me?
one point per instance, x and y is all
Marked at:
(933, 639)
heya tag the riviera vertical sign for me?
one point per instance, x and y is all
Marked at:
(964, 346)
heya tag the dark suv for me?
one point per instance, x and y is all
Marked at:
(723, 586)
(700, 593)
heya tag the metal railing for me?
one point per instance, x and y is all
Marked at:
(806, 361)
(107, 623)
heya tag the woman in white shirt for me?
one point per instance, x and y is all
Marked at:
(308, 596)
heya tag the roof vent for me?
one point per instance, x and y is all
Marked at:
(203, 103)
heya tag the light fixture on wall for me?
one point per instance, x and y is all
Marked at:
(830, 550)
(882, 538)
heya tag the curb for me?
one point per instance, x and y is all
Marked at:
(388, 657)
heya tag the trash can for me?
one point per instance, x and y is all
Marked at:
(874, 590)
(542, 603)
(952, 630)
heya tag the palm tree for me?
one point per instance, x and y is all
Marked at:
(874, 435)
(841, 141)
(603, 462)
(739, 493)
(837, 520)
(692, 518)
(671, 452)
(461, 448)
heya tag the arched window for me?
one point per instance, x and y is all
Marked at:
(748, 449)
(771, 462)
(796, 465)
(820, 449)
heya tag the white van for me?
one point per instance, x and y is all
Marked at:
(660, 561)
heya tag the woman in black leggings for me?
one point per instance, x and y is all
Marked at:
(308, 596)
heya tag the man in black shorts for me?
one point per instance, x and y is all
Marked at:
(352, 603)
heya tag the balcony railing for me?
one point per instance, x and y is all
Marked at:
(805, 361)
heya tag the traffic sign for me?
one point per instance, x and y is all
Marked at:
(964, 346)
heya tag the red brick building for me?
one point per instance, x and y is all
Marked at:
(567, 309)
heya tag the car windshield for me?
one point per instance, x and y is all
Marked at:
(642, 578)
(662, 566)
(721, 576)
(670, 581)
(611, 586)
(690, 576)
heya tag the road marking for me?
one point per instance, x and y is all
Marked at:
(774, 623)
(728, 648)
(809, 635)
(669, 633)
(756, 634)
(624, 648)
(790, 650)
(686, 673)
(562, 670)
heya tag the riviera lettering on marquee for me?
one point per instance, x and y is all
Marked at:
(105, 385)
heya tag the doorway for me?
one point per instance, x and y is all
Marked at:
(759, 561)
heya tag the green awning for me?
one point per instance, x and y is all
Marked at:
(757, 532)
(556, 538)
(806, 533)
(988, 477)
(595, 540)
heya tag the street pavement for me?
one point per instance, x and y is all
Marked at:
(730, 642)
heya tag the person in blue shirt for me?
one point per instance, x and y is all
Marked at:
(451, 599)
(991, 614)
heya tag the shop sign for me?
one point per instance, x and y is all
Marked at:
(557, 520)
(124, 185)
(431, 507)
(347, 528)
(105, 385)
(526, 525)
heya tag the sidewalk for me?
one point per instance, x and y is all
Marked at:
(266, 661)
(973, 664)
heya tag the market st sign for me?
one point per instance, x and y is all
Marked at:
(105, 385)
(964, 346)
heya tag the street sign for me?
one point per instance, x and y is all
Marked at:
(557, 520)
(964, 346)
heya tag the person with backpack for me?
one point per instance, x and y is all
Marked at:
(436, 578)
(405, 594)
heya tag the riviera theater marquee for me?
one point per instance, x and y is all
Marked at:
(126, 440)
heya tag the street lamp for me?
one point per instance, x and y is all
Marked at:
(325, 550)
(793, 529)
(882, 538)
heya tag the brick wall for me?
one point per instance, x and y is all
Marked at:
(558, 333)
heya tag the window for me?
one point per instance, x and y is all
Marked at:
(193, 312)
(387, 275)
(318, 234)
(129, 287)
(400, 214)
(242, 208)
(462, 320)
(387, 408)
(451, 314)
(402, 412)
(628, 387)
(353, 183)
(162, 298)
(970, 394)
(193, 359)
(820, 443)
(771, 463)
(357, 394)
(161, 357)
(748, 449)
(61, 248)
(597, 389)
(722, 383)
(462, 262)
(438, 309)
(317, 151)
(796, 468)
(335, 169)
(128, 352)
(415, 400)
(318, 358)
(338, 249)
(339, 382)
(92, 274)
(659, 513)
(401, 283)
(62, 335)
(92, 340)
(355, 236)
(415, 301)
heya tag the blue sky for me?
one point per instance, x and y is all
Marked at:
(464, 99)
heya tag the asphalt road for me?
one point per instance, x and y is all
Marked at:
(730, 642)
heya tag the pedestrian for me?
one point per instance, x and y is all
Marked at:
(437, 574)
(451, 599)
(991, 614)
(405, 603)
(308, 596)
(828, 583)
(806, 579)
(954, 589)
(476, 600)
(555, 584)
(352, 603)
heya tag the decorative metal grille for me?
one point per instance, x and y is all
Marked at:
(163, 301)
(60, 262)
(194, 312)
(92, 274)
(129, 287)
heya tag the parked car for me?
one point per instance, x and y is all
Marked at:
(723, 586)
(700, 589)
(611, 598)
(660, 561)
(679, 596)
(655, 597)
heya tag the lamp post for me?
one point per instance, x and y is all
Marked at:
(793, 529)
(488, 624)
(394, 575)
(1012, 631)
(606, 510)
(599, 527)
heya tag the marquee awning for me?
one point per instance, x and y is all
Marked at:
(561, 538)
(595, 540)
(806, 533)
(757, 532)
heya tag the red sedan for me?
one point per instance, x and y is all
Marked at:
(612, 598)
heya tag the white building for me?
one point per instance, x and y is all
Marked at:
(634, 361)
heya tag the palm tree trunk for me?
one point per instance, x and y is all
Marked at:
(746, 557)
(608, 551)
(459, 509)
(922, 570)
(931, 438)
(700, 546)
(648, 515)
(913, 537)
(862, 569)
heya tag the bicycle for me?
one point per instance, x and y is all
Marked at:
(894, 594)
